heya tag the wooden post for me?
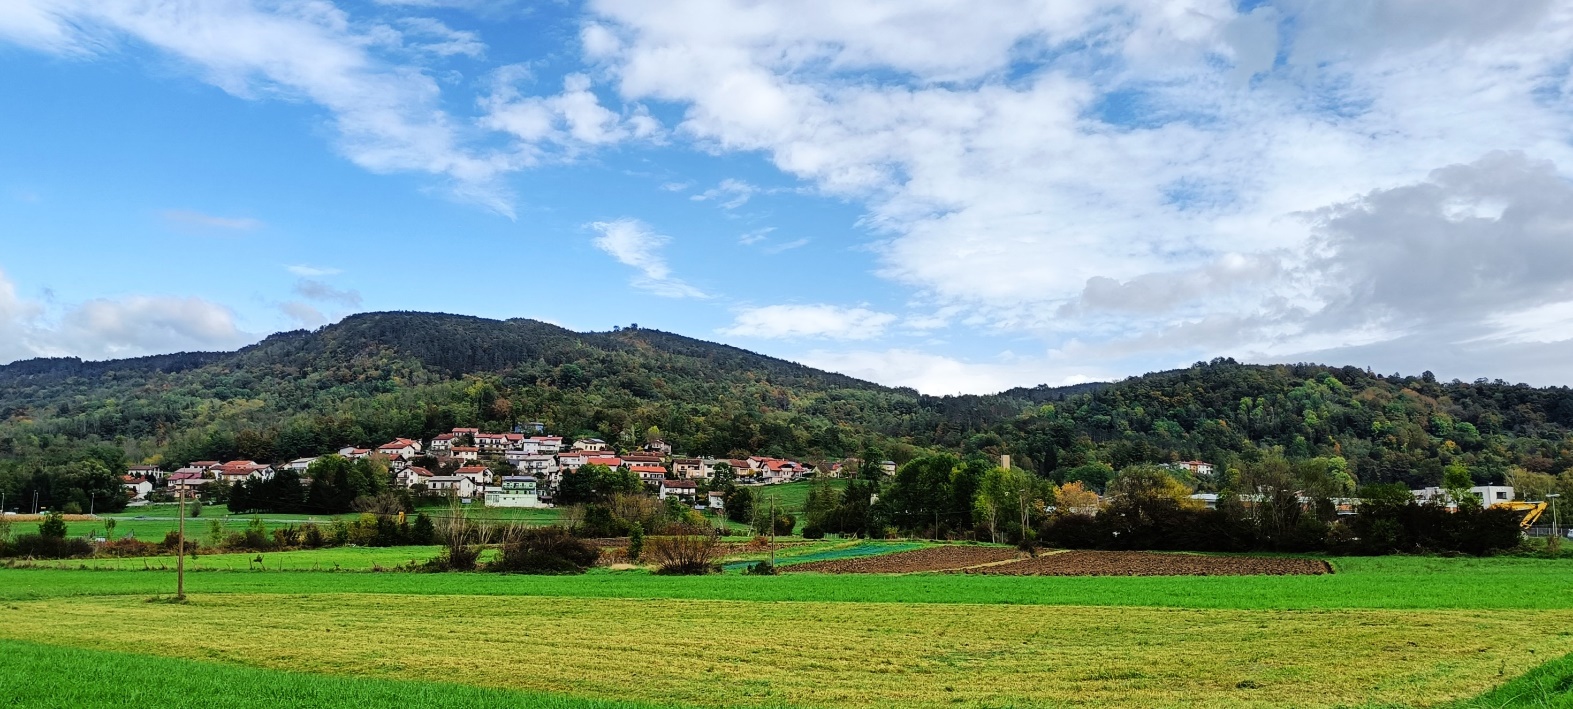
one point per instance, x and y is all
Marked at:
(772, 531)
(180, 549)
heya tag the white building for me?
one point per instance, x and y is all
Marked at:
(515, 491)
(457, 485)
(1487, 494)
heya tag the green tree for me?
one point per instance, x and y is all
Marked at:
(53, 526)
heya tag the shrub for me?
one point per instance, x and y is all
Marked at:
(782, 527)
(195, 509)
(128, 547)
(545, 550)
(172, 541)
(689, 551)
(38, 546)
(635, 541)
(53, 526)
(813, 531)
(457, 557)
(423, 533)
(311, 536)
(763, 568)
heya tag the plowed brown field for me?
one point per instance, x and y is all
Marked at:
(944, 558)
(1142, 563)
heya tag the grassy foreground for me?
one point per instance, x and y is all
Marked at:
(44, 676)
(1387, 582)
(735, 653)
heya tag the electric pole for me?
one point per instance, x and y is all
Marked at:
(180, 550)
(773, 530)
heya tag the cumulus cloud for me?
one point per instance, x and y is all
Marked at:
(633, 243)
(387, 115)
(190, 219)
(573, 119)
(800, 321)
(1133, 179)
(105, 328)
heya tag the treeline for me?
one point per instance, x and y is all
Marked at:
(1280, 505)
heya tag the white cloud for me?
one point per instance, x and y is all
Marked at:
(319, 291)
(938, 375)
(309, 271)
(442, 40)
(730, 193)
(800, 321)
(634, 243)
(788, 246)
(574, 118)
(188, 218)
(1123, 178)
(106, 328)
(302, 314)
(387, 115)
(757, 235)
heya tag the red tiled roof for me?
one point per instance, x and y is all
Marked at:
(648, 469)
(418, 470)
(473, 469)
(679, 483)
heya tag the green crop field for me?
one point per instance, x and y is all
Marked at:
(1394, 631)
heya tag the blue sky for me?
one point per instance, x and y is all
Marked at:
(944, 195)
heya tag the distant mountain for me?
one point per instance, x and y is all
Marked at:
(377, 376)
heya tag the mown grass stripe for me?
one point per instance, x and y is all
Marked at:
(43, 676)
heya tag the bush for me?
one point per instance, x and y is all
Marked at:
(194, 509)
(635, 541)
(128, 547)
(689, 551)
(813, 531)
(763, 568)
(38, 546)
(172, 541)
(545, 550)
(311, 536)
(53, 526)
(423, 533)
(782, 527)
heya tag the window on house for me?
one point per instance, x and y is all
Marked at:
(1501, 496)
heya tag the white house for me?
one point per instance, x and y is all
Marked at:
(594, 445)
(685, 489)
(1196, 467)
(717, 499)
(412, 476)
(548, 444)
(299, 465)
(238, 470)
(478, 474)
(515, 491)
(151, 472)
(491, 442)
(457, 485)
(137, 487)
(651, 474)
(466, 452)
(442, 443)
(572, 461)
(400, 447)
(1488, 495)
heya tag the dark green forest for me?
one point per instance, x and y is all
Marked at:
(67, 427)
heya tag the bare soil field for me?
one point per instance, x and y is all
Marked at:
(944, 558)
(1142, 563)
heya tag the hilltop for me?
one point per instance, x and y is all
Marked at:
(376, 376)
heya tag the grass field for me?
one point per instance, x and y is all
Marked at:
(1395, 631)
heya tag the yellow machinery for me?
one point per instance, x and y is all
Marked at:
(1532, 510)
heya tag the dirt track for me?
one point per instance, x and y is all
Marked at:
(945, 558)
(1142, 563)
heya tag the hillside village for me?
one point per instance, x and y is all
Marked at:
(514, 469)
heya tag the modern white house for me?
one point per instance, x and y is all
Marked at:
(1488, 494)
(684, 489)
(515, 491)
(456, 485)
(299, 465)
(137, 486)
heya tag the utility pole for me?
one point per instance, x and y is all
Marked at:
(1553, 497)
(180, 549)
(35, 502)
(773, 530)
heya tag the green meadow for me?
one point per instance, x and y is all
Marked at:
(1389, 631)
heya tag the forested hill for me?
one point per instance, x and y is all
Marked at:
(377, 376)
